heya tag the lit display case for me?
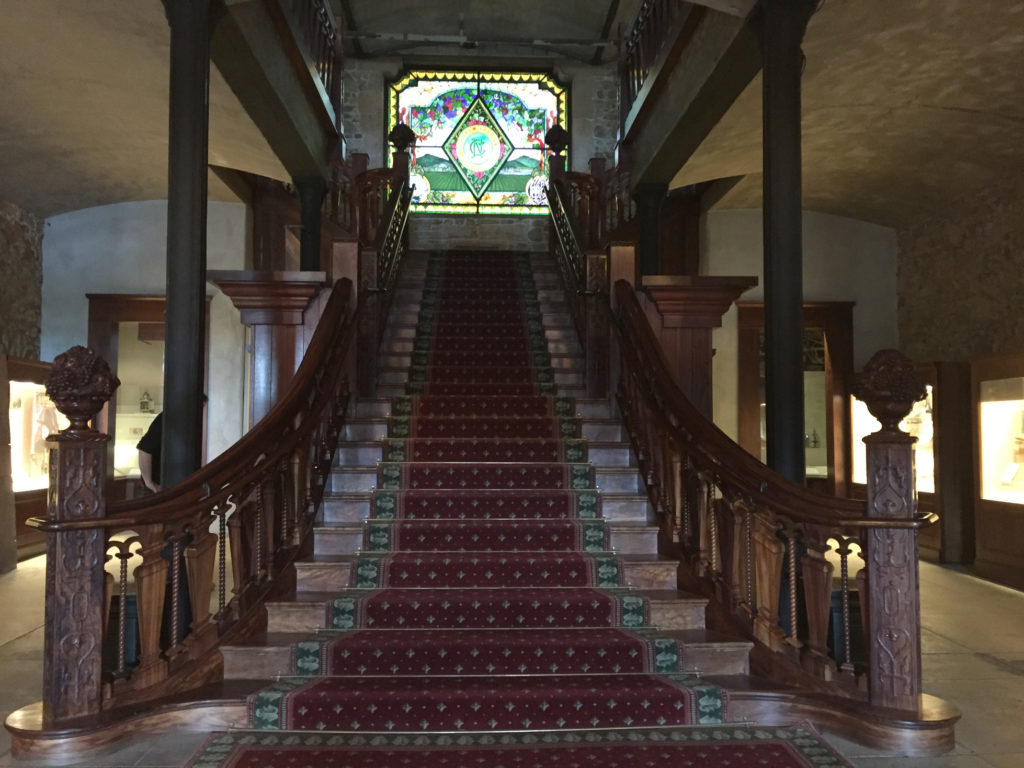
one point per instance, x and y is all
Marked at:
(997, 385)
(1001, 439)
(33, 417)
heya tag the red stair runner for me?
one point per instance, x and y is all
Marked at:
(485, 597)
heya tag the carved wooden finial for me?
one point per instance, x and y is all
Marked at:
(80, 382)
(402, 137)
(889, 386)
(556, 139)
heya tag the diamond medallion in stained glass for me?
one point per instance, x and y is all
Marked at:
(478, 148)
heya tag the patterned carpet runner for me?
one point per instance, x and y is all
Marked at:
(485, 596)
(687, 747)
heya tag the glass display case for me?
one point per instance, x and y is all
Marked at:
(1001, 439)
(32, 417)
(919, 423)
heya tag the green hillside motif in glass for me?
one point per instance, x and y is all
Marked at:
(479, 138)
(478, 148)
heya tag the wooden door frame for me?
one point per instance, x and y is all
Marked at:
(835, 318)
(106, 312)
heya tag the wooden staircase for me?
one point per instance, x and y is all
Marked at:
(624, 504)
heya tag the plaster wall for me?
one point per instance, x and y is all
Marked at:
(948, 312)
(121, 248)
(844, 260)
(21, 238)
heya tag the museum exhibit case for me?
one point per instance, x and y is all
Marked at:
(997, 385)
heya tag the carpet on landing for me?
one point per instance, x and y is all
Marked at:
(797, 746)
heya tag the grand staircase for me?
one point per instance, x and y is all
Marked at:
(487, 560)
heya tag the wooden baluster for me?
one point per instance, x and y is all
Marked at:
(200, 556)
(768, 557)
(817, 580)
(845, 659)
(749, 576)
(793, 637)
(222, 561)
(890, 386)
(123, 555)
(79, 383)
(150, 590)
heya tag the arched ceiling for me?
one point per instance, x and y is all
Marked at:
(908, 105)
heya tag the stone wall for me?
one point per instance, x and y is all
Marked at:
(21, 265)
(960, 279)
(593, 112)
(513, 233)
(362, 109)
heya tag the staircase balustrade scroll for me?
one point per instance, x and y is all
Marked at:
(201, 555)
(760, 546)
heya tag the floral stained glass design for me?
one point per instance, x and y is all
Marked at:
(479, 138)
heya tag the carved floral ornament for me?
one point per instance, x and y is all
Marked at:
(80, 382)
(889, 386)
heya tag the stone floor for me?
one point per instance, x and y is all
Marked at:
(973, 642)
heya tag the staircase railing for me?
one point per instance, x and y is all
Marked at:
(763, 548)
(574, 197)
(204, 553)
(642, 48)
(316, 35)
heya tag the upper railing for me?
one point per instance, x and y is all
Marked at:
(315, 32)
(652, 31)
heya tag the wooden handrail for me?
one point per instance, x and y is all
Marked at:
(316, 35)
(747, 536)
(227, 534)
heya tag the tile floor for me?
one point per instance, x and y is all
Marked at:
(972, 637)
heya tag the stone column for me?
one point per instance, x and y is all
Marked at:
(782, 29)
(184, 353)
(649, 199)
(311, 198)
(890, 386)
(79, 384)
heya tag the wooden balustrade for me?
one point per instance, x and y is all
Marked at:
(317, 37)
(760, 546)
(653, 28)
(201, 556)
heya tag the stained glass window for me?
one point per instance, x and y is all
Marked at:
(479, 138)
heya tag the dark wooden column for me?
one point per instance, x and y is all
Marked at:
(782, 28)
(890, 386)
(79, 383)
(690, 308)
(311, 198)
(272, 304)
(649, 199)
(186, 238)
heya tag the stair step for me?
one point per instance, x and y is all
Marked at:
(624, 538)
(309, 611)
(615, 508)
(703, 652)
(332, 572)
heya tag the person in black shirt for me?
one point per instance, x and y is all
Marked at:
(149, 454)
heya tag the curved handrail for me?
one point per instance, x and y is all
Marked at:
(715, 451)
(209, 484)
(222, 540)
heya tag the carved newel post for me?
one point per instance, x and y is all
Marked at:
(79, 383)
(889, 387)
